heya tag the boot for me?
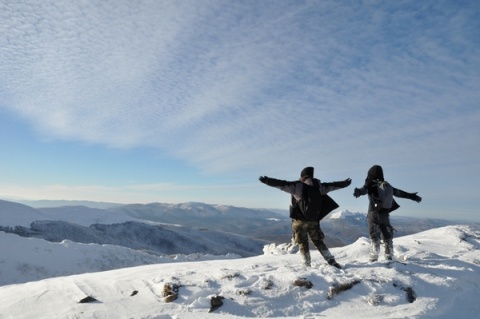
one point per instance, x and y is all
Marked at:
(374, 251)
(333, 263)
(307, 260)
(389, 249)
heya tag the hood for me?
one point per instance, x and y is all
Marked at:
(375, 172)
(307, 171)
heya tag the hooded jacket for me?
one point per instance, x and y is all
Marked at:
(376, 173)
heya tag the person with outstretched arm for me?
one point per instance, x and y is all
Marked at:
(310, 203)
(381, 203)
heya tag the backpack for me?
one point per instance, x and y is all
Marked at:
(383, 199)
(310, 204)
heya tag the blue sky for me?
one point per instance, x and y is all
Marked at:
(177, 101)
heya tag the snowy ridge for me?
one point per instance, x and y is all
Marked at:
(28, 259)
(346, 214)
(437, 276)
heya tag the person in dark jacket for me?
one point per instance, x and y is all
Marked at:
(379, 218)
(301, 226)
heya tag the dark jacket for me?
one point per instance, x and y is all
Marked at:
(295, 188)
(375, 173)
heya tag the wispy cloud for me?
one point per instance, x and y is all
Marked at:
(235, 85)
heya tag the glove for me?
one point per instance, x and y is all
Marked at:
(263, 179)
(356, 192)
(415, 197)
(347, 182)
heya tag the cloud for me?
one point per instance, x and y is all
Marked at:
(231, 86)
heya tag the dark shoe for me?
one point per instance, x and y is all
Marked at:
(333, 263)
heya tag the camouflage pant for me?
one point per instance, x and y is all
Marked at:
(379, 226)
(301, 231)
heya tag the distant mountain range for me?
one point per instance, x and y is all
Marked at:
(89, 224)
(75, 239)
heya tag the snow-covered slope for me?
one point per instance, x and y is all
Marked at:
(30, 259)
(14, 214)
(437, 276)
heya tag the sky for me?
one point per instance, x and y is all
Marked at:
(161, 101)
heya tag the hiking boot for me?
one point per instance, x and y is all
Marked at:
(373, 257)
(333, 263)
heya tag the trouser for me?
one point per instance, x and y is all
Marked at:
(379, 226)
(301, 231)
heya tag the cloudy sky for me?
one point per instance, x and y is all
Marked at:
(176, 101)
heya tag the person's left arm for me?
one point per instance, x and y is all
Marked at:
(328, 187)
(402, 194)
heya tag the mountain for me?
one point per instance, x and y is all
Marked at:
(341, 227)
(154, 238)
(14, 214)
(436, 275)
(230, 219)
(61, 203)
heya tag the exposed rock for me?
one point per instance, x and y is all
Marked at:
(170, 292)
(303, 282)
(88, 299)
(338, 288)
(216, 302)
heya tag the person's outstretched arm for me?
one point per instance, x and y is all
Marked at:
(402, 194)
(357, 192)
(328, 187)
(293, 188)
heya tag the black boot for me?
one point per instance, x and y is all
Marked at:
(333, 263)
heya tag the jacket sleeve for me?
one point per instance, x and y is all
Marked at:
(360, 191)
(293, 188)
(328, 187)
(402, 194)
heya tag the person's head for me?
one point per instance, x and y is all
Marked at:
(375, 173)
(307, 172)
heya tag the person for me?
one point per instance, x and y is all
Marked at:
(302, 226)
(379, 214)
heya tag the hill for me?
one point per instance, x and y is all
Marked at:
(436, 275)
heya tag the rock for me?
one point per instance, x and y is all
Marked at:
(88, 299)
(216, 302)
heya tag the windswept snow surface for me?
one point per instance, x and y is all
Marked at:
(437, 275)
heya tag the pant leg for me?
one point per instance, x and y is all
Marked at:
(387, 233)
(300, 235)
(375, 233)
(317, 236)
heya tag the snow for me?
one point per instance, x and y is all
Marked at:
(346, 214)
(436, 273)
(438, 269)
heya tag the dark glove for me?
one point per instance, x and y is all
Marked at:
(415, 197)
(263, 179)
(347, 182)
(356, 192)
